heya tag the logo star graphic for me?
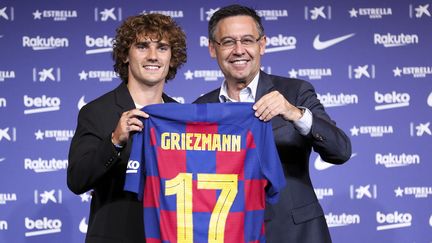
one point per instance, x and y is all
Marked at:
(39, 135)
(85, 197)
(37, 14)
(398, 192)
(354, 131)
(188, 75)
(83, 75)
(353, 13)
(292, 73)
(397, 72)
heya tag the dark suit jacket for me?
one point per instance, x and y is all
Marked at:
(94, 164)
(298, 216)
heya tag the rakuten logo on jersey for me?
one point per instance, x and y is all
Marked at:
(42, 226)
(44, 43)
(393, 220)
(98, 44)
(342, 219)
(132, 166)
(41, 104)
(335, 100)
(280, 43)
(390, 40)
(43, 165)
(396, 160)
(391, 100)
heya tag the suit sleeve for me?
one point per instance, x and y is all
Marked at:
(332, 144)
(134, 181)
(91, 153)
(270, 163)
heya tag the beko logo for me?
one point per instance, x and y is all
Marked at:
(99, 45)
(390, 40)
(42, 226)
(391, 100)
(280, 43)
(132, 166)
(393, 220)
(41, 104)
(44, 43)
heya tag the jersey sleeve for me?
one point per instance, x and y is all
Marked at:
(134, 181)
(270, 163)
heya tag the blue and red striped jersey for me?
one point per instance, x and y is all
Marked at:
(204, 172)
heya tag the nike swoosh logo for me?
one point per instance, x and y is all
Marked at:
(322, 165)
(321, 45)
(83, 226)
(429, 100)
(81, 103)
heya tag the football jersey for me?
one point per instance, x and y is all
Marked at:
(204, 172)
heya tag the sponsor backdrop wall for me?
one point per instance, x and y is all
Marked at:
(370, 62)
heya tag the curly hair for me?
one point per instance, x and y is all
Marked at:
(153, 25)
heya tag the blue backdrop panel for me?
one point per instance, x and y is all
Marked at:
(370, 62)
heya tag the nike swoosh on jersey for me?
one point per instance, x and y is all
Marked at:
(321, 45)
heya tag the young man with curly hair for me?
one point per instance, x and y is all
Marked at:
(147, 51)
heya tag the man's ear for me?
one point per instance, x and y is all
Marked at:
(212, 49)
(262, 44)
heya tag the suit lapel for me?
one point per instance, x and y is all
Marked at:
(265, 85)
(123, 98)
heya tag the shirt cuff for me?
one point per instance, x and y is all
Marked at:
(304, 124)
